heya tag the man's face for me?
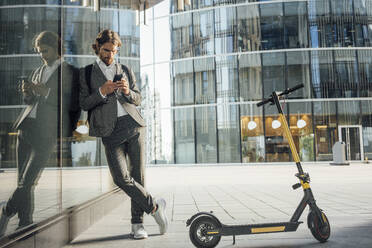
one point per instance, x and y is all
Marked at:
(48, 54)
(107, 52)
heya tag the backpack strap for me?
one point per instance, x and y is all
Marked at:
(88, 74)
(127, 72)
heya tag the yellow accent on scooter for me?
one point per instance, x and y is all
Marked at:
(268, 229)
(288, 136)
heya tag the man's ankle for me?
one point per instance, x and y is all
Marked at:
(154, 210)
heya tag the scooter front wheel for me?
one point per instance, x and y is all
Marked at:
(198, 232)
(319, 231)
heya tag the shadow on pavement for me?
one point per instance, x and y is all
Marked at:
(106, 239)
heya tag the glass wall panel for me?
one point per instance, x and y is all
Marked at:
(323, 74)
(295, 25)
(164, 148)
(30, 123)
(162, 91)
(161, 9)
(81, 30)
(20, 25)
(104, 3)
(298, 72)
(250, 77)
(349, 117)
(227, 79)
(252, 134)
(367, 128)
(273, 66)
(19, 2)
(225, 28)
(363, 32)
(246, 1)
(148, 107)
(183, 82)
(159, 141)
(198, 4)
(82, 150)
(147, 33)
(276, 146)
(365, 72)
(181, 36)
(320, 28)
(203, 28)
(161, 42)
(128, 31)
(343, 23)
(301, 126)
(228, 133)
(347, 78)
(15, 69)
(325, 123)
(108, 19)
(223, 2)
(174, 6)
(272, 32)
(206, 135)
(184, 135)
(249, 29)
(47, 109)
(134, 65)
(332, 23)
(348, 112)
(161, 119)
(205, 84)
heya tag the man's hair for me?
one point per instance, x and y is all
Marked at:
(48, 38)
(104, 36)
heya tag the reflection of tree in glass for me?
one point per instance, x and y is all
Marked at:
(306, 148)
(84, 159)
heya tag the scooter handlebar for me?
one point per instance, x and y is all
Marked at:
(263, 102)
(285, 92)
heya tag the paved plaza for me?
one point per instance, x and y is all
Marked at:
(242, 195)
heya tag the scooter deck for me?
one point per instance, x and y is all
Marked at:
(227, 230)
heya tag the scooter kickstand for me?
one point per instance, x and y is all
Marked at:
(234, 239)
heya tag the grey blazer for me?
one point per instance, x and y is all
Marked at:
(102, 112)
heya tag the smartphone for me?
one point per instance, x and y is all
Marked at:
(117, 77)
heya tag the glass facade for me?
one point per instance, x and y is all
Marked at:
(225, 56)
(70, 167)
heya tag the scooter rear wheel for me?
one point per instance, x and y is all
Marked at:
(198, 232)
(321, 233)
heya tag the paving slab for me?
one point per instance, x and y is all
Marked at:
(244, 195)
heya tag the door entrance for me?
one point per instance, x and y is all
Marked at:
(352, 136)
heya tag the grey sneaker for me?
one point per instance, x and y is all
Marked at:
(160, 216)
(4, 219)
(138, 231)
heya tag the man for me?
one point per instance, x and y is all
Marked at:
(40, 123)
(113, 115)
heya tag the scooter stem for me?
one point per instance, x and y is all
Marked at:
(287, 133)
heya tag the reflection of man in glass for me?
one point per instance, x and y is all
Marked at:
(110, 95)
(39, 125)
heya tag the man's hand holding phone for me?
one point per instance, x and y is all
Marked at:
(123, 85)
(108, 87)
(26, 87)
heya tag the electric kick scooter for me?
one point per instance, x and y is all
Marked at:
(206, 230)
